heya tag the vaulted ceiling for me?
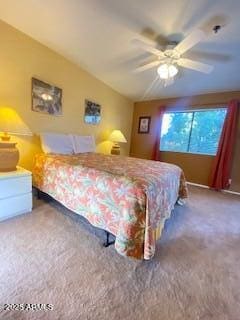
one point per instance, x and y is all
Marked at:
(97, 35)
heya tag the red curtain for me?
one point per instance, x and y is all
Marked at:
(157, 134)
(220, 175)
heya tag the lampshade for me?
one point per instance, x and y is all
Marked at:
(117, 136)
(11, 123)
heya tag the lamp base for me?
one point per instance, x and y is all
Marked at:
(5, 137)
(9, 156)
(115, 149)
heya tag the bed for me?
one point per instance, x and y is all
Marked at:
(128, 197)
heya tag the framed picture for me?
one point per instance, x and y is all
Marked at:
(92, 113)
(46, 98)
(144, 124)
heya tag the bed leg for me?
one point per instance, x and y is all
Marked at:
(107, 242)
(38, 193)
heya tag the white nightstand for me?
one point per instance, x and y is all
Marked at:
(15, 193)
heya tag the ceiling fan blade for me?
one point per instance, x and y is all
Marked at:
(147, 66)
(190, 41)
(211, 56)
(195, 65)
(149, 48)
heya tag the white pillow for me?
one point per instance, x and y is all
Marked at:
(83, 144)
(56, 143)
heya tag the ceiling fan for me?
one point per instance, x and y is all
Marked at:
(169, 61)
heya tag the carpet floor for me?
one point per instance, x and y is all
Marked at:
(54, 256)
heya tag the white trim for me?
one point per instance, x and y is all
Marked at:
(206, 108)
(197, 185)
(232, 192)
(186, 152)
(206, 187)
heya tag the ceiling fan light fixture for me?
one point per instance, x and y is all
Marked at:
(167, 71)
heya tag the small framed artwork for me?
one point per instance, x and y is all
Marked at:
(92, 112)
(144, 124)
(46, 98)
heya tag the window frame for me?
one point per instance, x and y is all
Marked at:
(193, 111)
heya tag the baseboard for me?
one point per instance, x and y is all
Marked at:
(198, 185)
(206, 187)
(231, 192)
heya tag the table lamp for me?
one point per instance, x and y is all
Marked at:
(10, 123)
(117, 136)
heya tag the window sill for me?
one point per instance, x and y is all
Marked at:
(191, 153)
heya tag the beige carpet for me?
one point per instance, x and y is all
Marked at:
(53, 256)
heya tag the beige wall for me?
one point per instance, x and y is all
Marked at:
(22, 58)
(196, 167)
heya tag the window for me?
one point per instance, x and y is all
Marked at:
(193, 132)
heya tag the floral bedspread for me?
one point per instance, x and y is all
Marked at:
(128, 197)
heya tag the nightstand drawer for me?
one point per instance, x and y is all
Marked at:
(16, 205)
(15, 186)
